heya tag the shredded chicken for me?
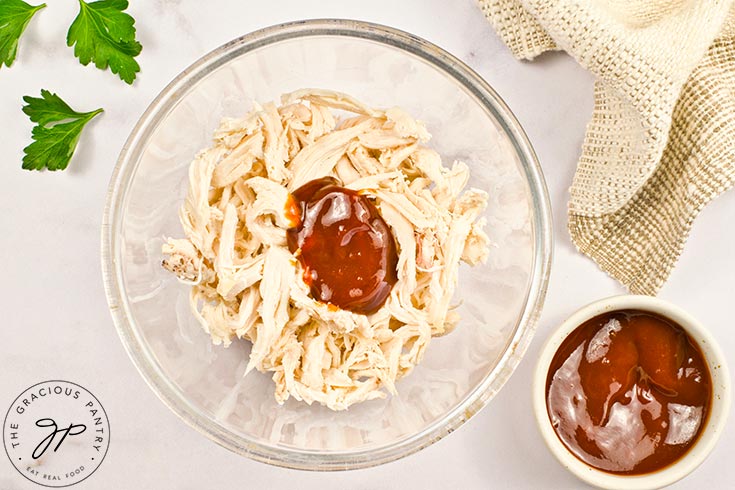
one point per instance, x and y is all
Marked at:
(246, 283)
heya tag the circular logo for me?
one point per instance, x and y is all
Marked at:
(56, 433)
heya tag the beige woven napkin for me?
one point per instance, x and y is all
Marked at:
(661, 142)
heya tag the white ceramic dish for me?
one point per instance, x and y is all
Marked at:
(719, 410)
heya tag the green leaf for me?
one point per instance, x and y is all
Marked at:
(56, 133)
(14, 17)
(48, 109)
(104, 34)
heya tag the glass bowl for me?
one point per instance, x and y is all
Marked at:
(499, 301)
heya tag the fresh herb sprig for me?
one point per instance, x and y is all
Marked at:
(14, 17)
(57, 131)
(105, 34)
(101, 33)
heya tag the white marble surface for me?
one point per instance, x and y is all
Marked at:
(56, 323)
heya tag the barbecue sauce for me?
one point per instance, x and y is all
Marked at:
(628, 392)
(346, 249)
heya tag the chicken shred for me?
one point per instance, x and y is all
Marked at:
(245, 282)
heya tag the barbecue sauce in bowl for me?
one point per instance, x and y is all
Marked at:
(628, 392)
(346, 249)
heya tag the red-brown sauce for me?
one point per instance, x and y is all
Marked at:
(628, 392)
(346, 250)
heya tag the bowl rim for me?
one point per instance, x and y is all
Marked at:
(304, 458)
(716, 421)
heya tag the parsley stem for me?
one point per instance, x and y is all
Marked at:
(89, 115)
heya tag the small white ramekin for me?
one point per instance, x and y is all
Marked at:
(719, 409)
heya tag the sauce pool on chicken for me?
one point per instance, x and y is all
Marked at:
(346, 249)
(628, 392)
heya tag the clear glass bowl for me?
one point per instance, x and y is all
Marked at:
(500, 301)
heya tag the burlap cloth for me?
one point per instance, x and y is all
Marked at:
(661, 142)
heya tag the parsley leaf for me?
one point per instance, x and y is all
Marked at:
(14, 17)
(103, 33)
(56, 134)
